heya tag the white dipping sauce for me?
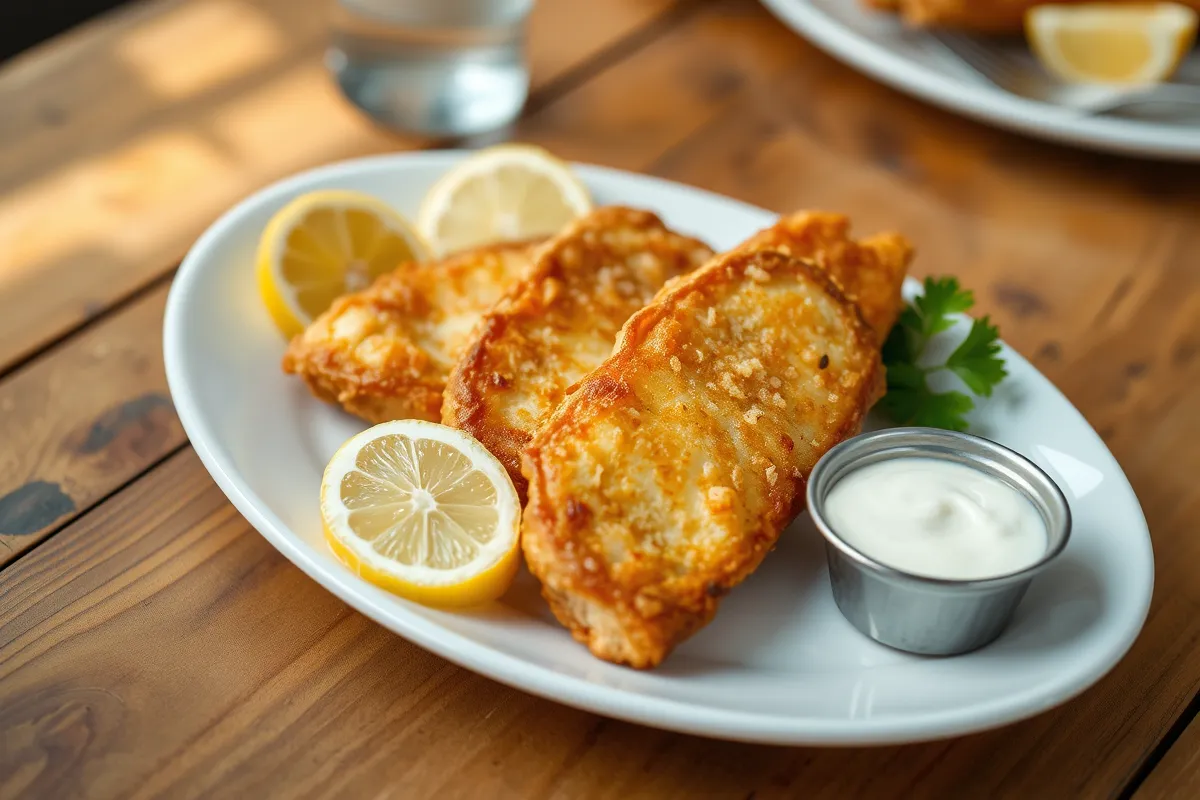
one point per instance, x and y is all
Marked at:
(936, 518)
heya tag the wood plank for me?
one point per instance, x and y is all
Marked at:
(735, 39)
(633, 113)
(119, 144)
(1055, 233)
(1084, 260)
(161, 647)
(1087, 274)
(269, 687)
(1178, 774)
(79, 423)
(368, 710)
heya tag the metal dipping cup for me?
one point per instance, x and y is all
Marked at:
(931, 616)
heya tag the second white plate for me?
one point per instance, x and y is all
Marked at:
(914, 62)
(779, 663)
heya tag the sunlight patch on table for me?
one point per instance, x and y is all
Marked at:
(271, 129)
(200, 45)
(127, 200)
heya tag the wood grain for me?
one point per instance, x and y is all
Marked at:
(79, 423)
(45, 479)
(635, 112)
(1178, 774)
(43, 491)
(158, 646)
(1089, 273)
(326, 685)
(145, 126)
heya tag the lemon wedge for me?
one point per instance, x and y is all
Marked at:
(1110, 43)
(324, 244)
(424, 511)
(501, 193)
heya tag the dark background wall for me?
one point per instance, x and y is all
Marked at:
(24, 23)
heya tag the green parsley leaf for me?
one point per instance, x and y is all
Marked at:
(902, 375)
(941, 298)
(918, 405)
(976, 361)
(900, 347)
(946, 410)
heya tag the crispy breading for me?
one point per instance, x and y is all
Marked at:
(663, 480)
(996, 16)
(384, 353)
(870, 273)
(984, 16)
(560, 323)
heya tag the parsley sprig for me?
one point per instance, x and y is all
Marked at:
(976, 361)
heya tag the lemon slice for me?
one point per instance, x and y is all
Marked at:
(502, 193)
(324, 244)
(1108, 43)
(423, 510)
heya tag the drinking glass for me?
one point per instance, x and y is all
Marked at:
(445, 68)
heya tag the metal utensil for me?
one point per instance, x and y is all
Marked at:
(931, 616)
(1020, 77)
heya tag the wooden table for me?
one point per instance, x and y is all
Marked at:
(151, 643)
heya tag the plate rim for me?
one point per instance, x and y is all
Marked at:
(535, 678)
(984, 103)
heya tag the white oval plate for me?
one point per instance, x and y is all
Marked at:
(914, 62)
(779, 663)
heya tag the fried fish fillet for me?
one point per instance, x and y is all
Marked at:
(664, 479)
(993, 16)
(560, 323)
(384, 353)
(985, 16)
(870, 273)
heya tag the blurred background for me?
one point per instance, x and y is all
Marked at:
(24, 24)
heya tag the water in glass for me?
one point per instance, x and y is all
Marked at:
(433, 67)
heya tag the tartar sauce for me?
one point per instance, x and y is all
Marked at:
(936, 518)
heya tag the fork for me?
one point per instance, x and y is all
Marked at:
(1007, 72)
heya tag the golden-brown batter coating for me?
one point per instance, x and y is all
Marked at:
(870, 273)
(664, 479)
(384, 353)
(560, 323)
(985, 16)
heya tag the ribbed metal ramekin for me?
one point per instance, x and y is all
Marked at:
(931, 616)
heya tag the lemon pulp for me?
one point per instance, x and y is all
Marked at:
(422, 510)
(324, 244)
